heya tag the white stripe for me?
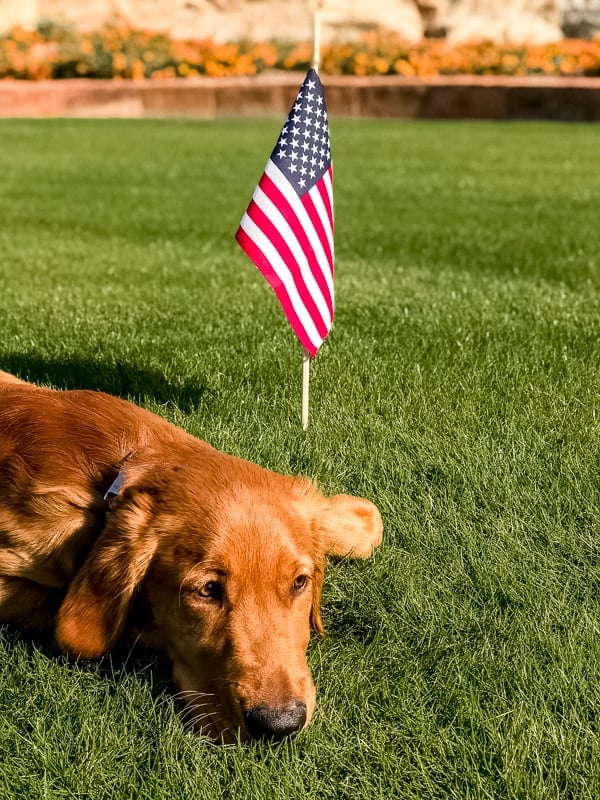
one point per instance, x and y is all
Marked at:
(272, 213)
(329, 188)
(315, 196)
(280, 268)
(287, 190)
(319, 205)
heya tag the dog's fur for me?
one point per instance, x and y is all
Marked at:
(212, 559)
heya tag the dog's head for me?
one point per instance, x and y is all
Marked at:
(228, 559)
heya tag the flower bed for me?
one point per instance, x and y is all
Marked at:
(117, 53)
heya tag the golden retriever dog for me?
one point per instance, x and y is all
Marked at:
(114, 521)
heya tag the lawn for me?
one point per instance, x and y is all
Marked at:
(459, 391)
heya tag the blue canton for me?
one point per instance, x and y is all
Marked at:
(302, 151)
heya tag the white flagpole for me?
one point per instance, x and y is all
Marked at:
(317, 36)
(316, 64)
(305, 388)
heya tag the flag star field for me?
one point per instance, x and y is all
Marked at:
(302, 150)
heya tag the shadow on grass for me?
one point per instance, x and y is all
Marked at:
(120, 379)
(126, 658)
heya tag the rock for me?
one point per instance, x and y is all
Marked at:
(518, 21)
(582, 19)
(343, 20)
(513, 21)
(223, 20)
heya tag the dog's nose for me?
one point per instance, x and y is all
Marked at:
(264, 722)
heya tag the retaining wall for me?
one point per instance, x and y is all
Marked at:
(448, 97)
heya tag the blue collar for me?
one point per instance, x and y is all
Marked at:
(115, 487)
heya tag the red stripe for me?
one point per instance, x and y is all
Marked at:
(262, 221)
(317, 224)
(277, 198)
(258, 257)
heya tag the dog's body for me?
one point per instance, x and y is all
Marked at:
(112, 518)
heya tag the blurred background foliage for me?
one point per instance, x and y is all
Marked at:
(53, 51)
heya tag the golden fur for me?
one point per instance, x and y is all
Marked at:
(208, 557)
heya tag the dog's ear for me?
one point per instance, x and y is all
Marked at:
(342, 526)
(93, 613)
(316, 621)
(350, 527)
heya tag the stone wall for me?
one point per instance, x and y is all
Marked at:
(459, 97)
(520, 21)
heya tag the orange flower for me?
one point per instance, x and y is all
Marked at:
(169, 72)
(265, 53)
(137, 70)
(120, 51)
(226, 53)
(402, 67)
(119, 62)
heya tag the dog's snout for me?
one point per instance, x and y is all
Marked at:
(265, 722)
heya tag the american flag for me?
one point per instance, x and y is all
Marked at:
(287, 230)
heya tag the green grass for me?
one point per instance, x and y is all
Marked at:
(459, 391)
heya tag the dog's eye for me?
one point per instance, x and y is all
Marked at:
(211, 590)
(300, 583)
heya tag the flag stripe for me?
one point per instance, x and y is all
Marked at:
(315, 269)
(325, 231)
(325, 187)
(300, 214)
(268, 219)
(326, 283)
(270, 199)
(258, 247)
(262, 262)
